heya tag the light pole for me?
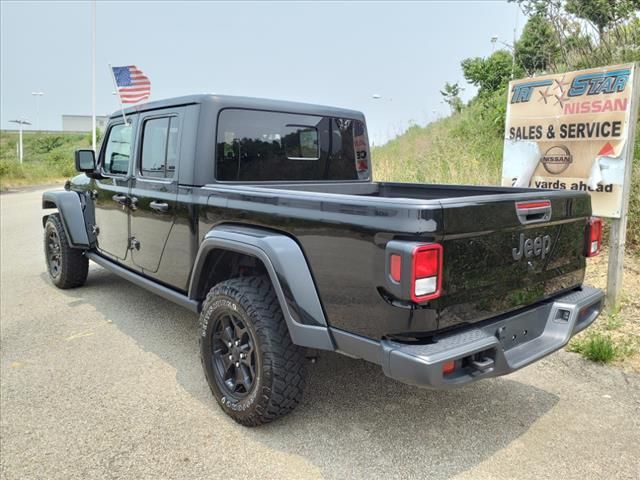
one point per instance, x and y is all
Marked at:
(37, 95)
(93, 75)
(511, 47)
(20, 124)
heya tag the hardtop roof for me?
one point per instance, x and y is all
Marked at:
(230, 101)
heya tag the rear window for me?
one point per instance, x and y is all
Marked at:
(255, 145)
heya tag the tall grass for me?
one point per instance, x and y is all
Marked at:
(47, 157)
(465, 148)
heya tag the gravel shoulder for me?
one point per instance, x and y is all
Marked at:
(105, 382)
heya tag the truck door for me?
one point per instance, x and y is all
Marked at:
(112, 191)
(154, 188)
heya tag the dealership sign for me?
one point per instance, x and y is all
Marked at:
(571, 131)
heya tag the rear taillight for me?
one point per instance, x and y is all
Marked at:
(426, 272)
(593, 237)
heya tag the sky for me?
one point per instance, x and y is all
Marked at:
(331, 53)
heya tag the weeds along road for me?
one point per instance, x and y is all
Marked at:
(105, 382)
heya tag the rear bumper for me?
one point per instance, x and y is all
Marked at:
(493, 349)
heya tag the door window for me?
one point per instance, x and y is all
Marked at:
(159, 147)
(118, 149)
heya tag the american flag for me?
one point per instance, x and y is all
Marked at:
(133, 85)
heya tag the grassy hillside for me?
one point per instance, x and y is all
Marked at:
(466, 148)
(48, 157)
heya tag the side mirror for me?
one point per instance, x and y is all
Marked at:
(85, 161)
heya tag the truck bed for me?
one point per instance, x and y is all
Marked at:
(343, 229)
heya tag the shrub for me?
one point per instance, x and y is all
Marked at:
(47, 143)
(67, 169)
(595, 347)
(11, 169)
(57, 157)
(5, 168)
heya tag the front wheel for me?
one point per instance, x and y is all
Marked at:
(67, 266)
(253, 369)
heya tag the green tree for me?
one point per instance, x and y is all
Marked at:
(537, 49)
(451, 94)
(602, 14)
(613, 21)
(537, 7)
(491, 73)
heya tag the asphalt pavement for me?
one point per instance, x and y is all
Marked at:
(104, 382)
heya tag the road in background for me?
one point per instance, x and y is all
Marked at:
(105, 382)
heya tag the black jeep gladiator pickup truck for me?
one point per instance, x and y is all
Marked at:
(262, 217)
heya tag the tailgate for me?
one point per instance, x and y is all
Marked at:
(507, 252)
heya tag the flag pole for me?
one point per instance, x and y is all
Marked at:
(115, 85)
(93, 75)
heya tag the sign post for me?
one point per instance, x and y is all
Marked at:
(618, 232)
(575, 131)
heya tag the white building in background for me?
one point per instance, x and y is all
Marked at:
(82, 123)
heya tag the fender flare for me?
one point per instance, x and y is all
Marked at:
(70, 208)
(289, 274)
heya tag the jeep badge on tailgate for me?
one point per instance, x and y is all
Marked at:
(539, 247)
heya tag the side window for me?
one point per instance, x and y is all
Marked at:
(258, 145)
(159, 147)
(118, 149)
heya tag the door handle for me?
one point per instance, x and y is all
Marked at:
(121, 199)
(159, 206)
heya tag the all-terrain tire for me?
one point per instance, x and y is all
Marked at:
(67, 267)
(278, 379)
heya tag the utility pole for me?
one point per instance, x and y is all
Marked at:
(20, 148)
(513, 52)
(93, 74)
(37, 95)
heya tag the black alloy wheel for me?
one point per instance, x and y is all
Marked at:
(254, 370)
(234, 355)
(67, 266)
(54, 253)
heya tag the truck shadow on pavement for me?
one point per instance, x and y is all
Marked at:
(353, 421)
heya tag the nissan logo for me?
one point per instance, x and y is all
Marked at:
(557, 159)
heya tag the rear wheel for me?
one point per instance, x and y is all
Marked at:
(67, 267)
(253, 369)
